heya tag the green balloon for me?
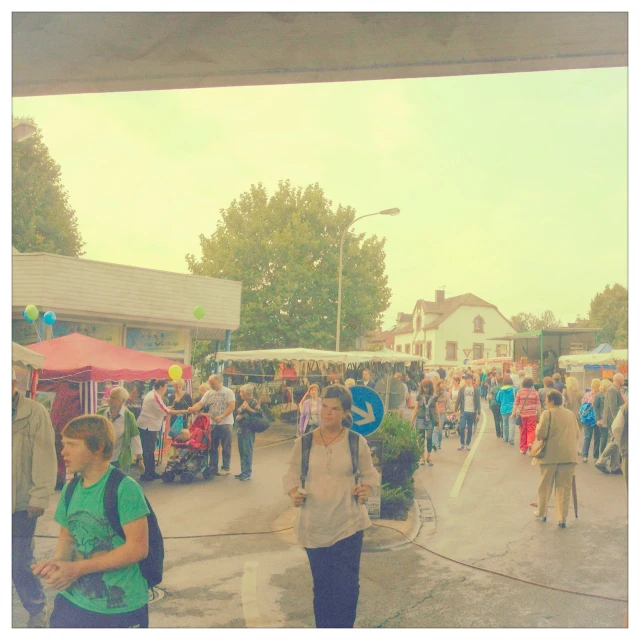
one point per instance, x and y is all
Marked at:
(32, 312)
(198, 312)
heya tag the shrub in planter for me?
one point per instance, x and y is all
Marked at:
(402, 449)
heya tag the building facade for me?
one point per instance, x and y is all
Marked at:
(448, 331)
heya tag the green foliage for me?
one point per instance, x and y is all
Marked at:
(531, 322)
(202, 368)
(609, 311)
(42, 219)
(284, 249)
(402, 448)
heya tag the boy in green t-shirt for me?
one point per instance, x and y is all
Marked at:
(95, 570)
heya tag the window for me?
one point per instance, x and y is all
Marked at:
(452, 351)
(417, 349)
(418, 323)
(501, 351)
(399, 348)
(429, 350)
(407, 348)
(478, 324)
(478, 351)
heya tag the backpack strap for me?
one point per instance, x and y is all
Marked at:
(354, 444)
(111, 501)
(307, 441)
(69, 492)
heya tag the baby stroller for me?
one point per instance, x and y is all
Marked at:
(450, 424)
(192, 456)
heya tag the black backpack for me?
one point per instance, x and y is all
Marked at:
(307, 441)
(152, 566)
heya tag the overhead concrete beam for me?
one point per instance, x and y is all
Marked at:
(63, 53)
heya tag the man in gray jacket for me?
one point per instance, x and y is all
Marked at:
(34, 470)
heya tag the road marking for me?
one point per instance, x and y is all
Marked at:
(250, 608)
(467, 463)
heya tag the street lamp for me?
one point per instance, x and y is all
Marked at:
(385, 212)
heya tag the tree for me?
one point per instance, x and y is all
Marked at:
(284, 250)
(43, 219)
(530, 322)
(609, 310)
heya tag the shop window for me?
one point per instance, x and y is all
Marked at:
(478, 324)
(451, 351)
(478, 351)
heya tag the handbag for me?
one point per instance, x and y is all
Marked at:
(176, 427)
(258, 422)
(538, 447)
(518, 418)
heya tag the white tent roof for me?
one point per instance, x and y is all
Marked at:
(617, 355)
(316, 355)
(22, 355)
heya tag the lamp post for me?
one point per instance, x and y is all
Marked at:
(385, 212)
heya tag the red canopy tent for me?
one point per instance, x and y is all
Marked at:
(78, 358)
(74, 365)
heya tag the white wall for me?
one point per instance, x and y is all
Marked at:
(458, 327)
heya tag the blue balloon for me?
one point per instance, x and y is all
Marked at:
(49, 318)
(24, 315)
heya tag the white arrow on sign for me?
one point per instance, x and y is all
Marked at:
(367, 416)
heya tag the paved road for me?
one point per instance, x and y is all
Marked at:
(263, 581)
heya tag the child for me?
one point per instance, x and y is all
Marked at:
(95, 570)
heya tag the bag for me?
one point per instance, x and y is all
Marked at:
(152, 566)
(427, 417)
(176, 427)
(307, 441)
(258, 422)
(538, 447)
(586, 415)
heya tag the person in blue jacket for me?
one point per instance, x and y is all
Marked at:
(506, 397)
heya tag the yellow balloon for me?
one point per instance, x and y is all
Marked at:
(175, 372)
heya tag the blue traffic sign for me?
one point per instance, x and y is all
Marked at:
(367, 410)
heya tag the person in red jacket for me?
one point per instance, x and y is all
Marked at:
(527, 406)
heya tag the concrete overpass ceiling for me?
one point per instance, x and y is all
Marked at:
(63, 53)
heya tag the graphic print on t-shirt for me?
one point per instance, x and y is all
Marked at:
(93, 535)
(468, 400)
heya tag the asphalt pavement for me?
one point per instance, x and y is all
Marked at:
(473, 507)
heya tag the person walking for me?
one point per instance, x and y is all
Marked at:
(425, 417)
(527, 406)
(494, 405)
(558, 383)
(310, 410)
(332, 516)
(128, 446)
(572, 396)
(547, 386)
(221, 402)
(150, 423)
(598, 412)
(559, 428)
(246, 435)
(506, 397)
(619, 431)
(468, 405)
(609, 460)
(591, 431)
(33, 473)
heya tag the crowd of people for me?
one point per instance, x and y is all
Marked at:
(96, 568)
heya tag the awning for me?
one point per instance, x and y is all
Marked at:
(584, 359)
(26, 357)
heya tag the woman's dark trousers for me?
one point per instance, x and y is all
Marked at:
(336, 582)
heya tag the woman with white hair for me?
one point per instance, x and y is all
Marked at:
(128, 442)
(246, 436)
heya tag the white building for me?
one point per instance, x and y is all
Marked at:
(450, 330)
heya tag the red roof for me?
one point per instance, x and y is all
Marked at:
(78, 358)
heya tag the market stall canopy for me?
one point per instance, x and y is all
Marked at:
(78, 358)
(316, 355)
(604, 347)
(556, 331)
(26, 357)
(616, 355)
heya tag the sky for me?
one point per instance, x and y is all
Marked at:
(511, 186)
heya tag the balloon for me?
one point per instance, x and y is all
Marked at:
(24, 315)
(49, 318)
(198, 312)
(32, 312)
(175, 372)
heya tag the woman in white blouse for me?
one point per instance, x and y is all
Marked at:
(332, 517)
